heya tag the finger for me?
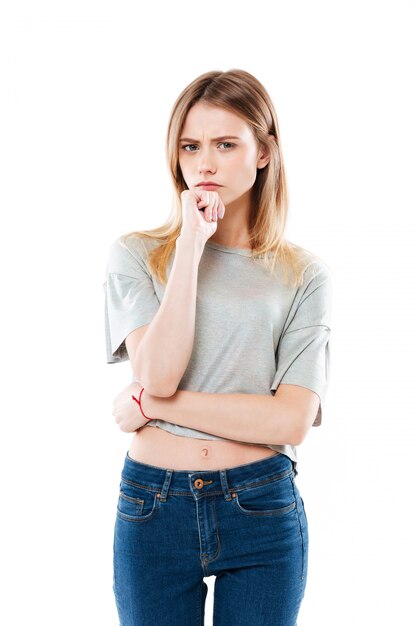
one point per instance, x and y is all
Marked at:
(214, 212)
(210, 209)
(218, 207)
(222, 208)
(209, 202)
(203, 197)
(203, 202)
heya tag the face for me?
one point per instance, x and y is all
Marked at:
(217, 145)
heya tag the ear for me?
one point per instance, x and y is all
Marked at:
(264, 157)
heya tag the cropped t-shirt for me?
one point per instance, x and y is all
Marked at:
(252, 332)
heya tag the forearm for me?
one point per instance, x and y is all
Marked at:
(242, 417)
(164, 352)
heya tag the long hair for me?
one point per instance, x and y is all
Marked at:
(241, 93)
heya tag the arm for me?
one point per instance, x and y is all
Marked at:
(281, 419)
(163, 354)
(300, 383)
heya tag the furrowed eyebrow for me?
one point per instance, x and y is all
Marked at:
(215, 138)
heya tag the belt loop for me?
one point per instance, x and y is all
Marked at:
(165, 486)
(225, 486)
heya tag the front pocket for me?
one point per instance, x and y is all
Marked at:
(136, 503)
(272, 498)
(131, 506)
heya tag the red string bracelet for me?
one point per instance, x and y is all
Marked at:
(140, 405)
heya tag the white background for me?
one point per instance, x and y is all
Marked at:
(86, 91)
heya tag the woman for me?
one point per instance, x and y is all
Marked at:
(226, 325)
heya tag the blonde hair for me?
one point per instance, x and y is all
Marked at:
(241, 93)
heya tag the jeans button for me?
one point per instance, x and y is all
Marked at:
(198, 483)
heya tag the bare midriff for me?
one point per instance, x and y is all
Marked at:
(155, 446)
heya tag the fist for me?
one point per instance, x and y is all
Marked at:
(200, 211)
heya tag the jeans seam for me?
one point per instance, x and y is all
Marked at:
(213, 503)
(285, 510)
(301, 531)
(266, 481)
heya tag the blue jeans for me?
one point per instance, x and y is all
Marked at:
(245, 525)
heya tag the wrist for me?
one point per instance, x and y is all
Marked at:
(190, 242)
(139, 401)
(148, 405)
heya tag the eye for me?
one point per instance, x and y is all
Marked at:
(224, 143)
(187, 146)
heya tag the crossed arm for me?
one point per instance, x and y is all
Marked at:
(281, 419)
(273, 420)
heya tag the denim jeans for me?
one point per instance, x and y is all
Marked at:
(245, 525)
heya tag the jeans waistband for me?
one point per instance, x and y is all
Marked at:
(200, 483)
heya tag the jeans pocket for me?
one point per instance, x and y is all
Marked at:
(275, 497)
(136, 503)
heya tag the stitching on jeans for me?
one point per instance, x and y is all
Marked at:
(140, 519)
(266, 512)
(216, 492)
(139, 485)
(135, 500)
(217, 534)
(301, 532)
(266, 481)
(256, 483)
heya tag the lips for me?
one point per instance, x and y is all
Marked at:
(208, 183)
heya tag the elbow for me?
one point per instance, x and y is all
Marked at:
(297, 437)
(160, 379)
(161, 392)
(300, 430)
(291, 436)
(160, 389)
(151, 381)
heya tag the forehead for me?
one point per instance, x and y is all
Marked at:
(212, 121)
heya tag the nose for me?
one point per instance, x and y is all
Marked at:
(206, 162)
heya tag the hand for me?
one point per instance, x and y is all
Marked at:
(200, 211)
(126, 411)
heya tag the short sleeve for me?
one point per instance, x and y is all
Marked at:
(303, 352)
(130, 300)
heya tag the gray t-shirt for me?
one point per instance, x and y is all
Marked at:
(251, 332)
